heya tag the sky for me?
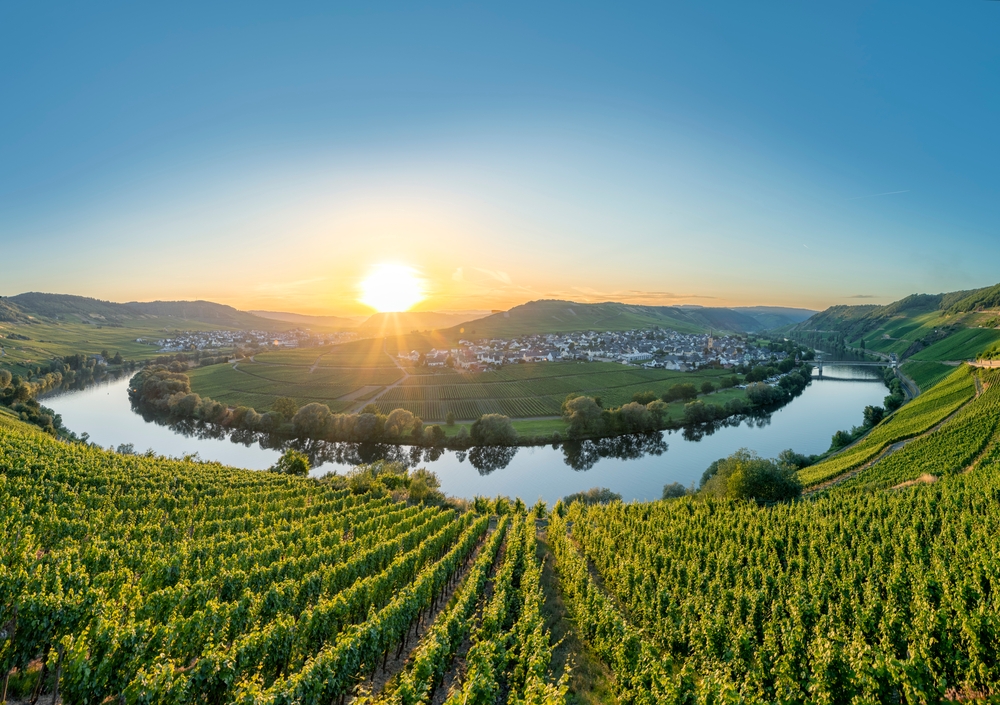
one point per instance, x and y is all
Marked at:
(273, 155)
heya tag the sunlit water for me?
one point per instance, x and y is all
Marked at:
(644, 465)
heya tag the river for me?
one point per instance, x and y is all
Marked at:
(635, 467)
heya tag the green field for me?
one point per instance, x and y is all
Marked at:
(50, 339)
(348, 376)
(200, 583)
(926, 374)
(963, 345)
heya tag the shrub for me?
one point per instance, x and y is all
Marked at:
(595, 495)
(292, 462)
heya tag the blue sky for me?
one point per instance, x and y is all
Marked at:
(268, 156)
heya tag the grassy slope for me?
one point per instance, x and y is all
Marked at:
(926, 374)
(52, 339)
(963, 345)
(914, 418)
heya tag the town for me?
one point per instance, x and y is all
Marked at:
(651, 348)
(252, 340)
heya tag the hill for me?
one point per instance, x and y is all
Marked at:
(776, 316)
(66, 307)
(203, 583)
(208, 312)
(556, 316)
(81, 309)
(911, 325)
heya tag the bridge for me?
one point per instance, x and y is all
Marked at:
(893, 363)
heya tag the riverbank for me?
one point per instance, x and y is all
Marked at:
(637, 467)
(165, 391)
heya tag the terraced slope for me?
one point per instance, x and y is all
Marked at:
(860, 595)
(146, 580)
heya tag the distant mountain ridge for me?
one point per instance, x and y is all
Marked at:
(68, 307)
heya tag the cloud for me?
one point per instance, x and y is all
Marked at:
(458, 275)
(864, 296)
(873, 195)
(501, 277)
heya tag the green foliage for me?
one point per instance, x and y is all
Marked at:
(857, 596)
(292, 462)
(745, 475)
(647, 396)
(192, 582)
(493, 430)
(595, 495)
(673, 490)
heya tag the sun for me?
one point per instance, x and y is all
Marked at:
(391, 288)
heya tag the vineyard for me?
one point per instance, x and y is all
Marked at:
(345, 375)
(917, 417)
(136, 579)
(856, 596)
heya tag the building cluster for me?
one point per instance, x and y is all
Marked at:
(651, 348)
(258, 339)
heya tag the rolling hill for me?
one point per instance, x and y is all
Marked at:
(67, 308)
(928, 327)
(555, 316)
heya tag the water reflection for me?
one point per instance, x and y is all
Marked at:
(583, 455)
(636, 466)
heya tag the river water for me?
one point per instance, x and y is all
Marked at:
(635, 467)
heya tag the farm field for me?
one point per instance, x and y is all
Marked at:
(926, 374)
(963, 345)
(348, 376)
(880, 595)
(200, 583)
(920, 415)
(127, 569)
(48, 340)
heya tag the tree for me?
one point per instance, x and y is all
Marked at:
(397, 422)
(680, 392)
(873, 416)
(493, 430)
(5, 378)
(292, 462)
(583, 414)
(449, 418)
(312, 420)
(707, 387)
(674, 490)
(840, 440)
(644, 397)
(286, 407)
(635, 418)
(745, 475)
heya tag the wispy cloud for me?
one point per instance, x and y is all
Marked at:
(864, 296)
(873, 195)
(501, 277)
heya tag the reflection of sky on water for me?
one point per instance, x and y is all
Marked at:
(635, 466)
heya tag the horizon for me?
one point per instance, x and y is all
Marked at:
(791, 156)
